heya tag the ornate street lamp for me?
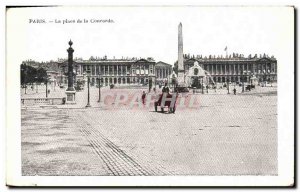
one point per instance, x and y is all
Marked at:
(88, 83)
(46, 81)
(243, 79)
(227, 85)
(99, 85)
(207, 81)
(264, 78)
(36, 84)
(269, 76)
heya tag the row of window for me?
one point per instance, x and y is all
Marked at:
(238, 69)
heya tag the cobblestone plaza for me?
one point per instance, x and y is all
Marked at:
(208, 140)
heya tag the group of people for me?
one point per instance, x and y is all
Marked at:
(165, 89)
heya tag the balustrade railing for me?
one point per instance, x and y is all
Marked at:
(42, 101)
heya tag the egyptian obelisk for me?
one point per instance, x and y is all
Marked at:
(181, 79)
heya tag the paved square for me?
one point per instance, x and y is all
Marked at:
(226, 135)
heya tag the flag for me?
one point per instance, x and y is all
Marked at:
(225, 48)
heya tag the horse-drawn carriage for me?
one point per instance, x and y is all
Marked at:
(249, 87)
(166, 100)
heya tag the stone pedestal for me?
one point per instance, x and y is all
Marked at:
(70, 97)
(181, 79)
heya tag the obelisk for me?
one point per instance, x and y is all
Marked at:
(180, 77)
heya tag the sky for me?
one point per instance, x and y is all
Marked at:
(148, 31)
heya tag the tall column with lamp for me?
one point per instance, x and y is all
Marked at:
(88, 84)
(227, 85)
(46, 81)
(70, 92)
(99, 86)
(243, 79)
(207, 81)
(36, 84)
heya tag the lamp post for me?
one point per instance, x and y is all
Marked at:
(99, 85)
(264, 78)
(251, 79)
(271, 78)
(76, 71)
(243, 79)
(88, 75)
(70, 91)
(36, 84)
(268, 77)
(207, 85)
(227, 85)
(46, 87)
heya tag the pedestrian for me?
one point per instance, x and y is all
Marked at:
(144, 97)
(48, 91)
(234, 91)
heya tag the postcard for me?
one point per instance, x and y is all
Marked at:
(150, 96)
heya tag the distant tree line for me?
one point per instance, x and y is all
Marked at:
(32, 75)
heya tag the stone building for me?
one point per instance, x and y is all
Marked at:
(236, 67)
(117, 71)
(162, 72)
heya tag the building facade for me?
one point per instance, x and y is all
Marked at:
(162, 72)
(235, 68)
(117, 71)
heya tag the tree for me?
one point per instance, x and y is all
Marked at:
(30, 74)
(41, 75)
(27, 74)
